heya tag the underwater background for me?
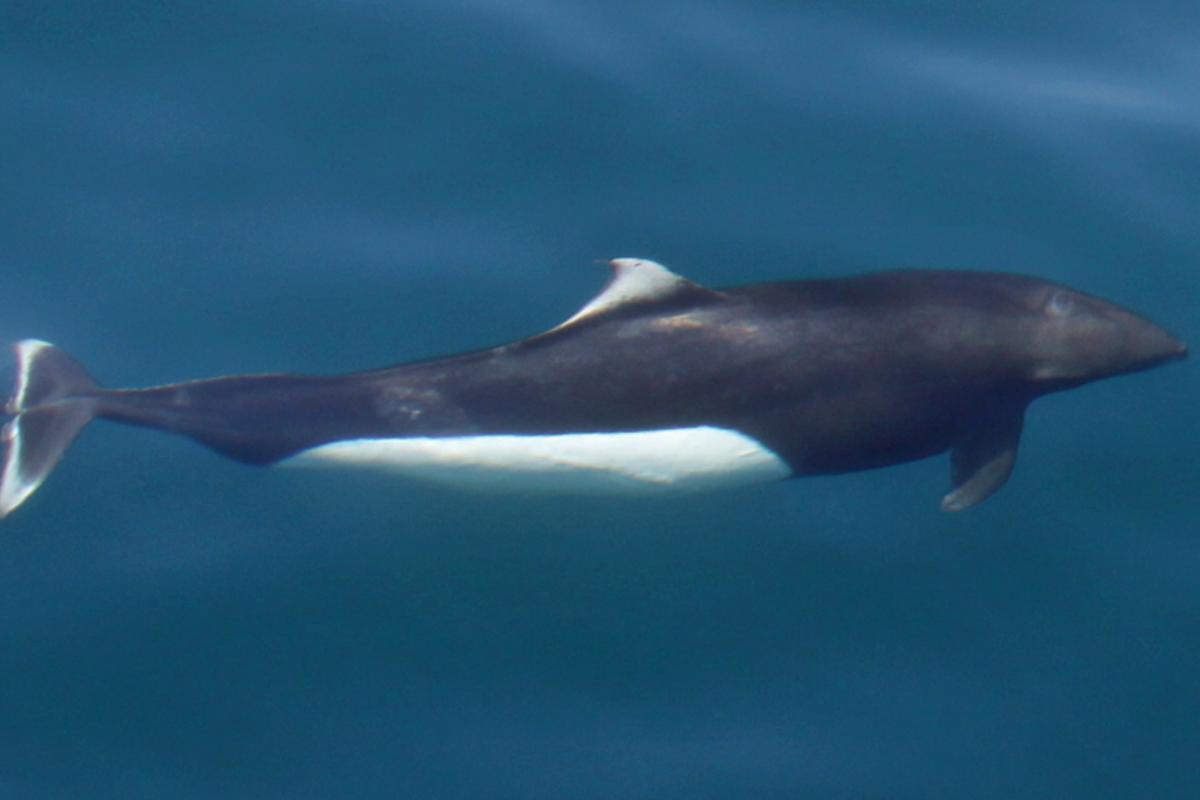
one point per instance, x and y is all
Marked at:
(198, 189)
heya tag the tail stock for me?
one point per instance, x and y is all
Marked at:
(54, 399)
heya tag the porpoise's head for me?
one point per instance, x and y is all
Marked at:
(1073, 338)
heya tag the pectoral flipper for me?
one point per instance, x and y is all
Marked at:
(983, 460)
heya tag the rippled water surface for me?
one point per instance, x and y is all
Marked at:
(192, 190)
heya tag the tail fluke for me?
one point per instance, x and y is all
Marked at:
(54, 399)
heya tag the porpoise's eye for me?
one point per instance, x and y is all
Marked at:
(1059, 303)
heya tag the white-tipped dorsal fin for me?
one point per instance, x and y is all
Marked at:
(635, 280)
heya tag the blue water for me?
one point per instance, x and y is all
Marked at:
(191, 190)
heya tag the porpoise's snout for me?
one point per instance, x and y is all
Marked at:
(1151, 345)
(1091, 338)
(1160, 345)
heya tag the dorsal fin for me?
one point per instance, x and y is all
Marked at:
(636, 280)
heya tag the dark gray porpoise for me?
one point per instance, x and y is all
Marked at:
(825, 376)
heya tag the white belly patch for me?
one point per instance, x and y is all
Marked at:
(673, 460)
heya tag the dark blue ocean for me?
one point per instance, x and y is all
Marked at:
(194, 189)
